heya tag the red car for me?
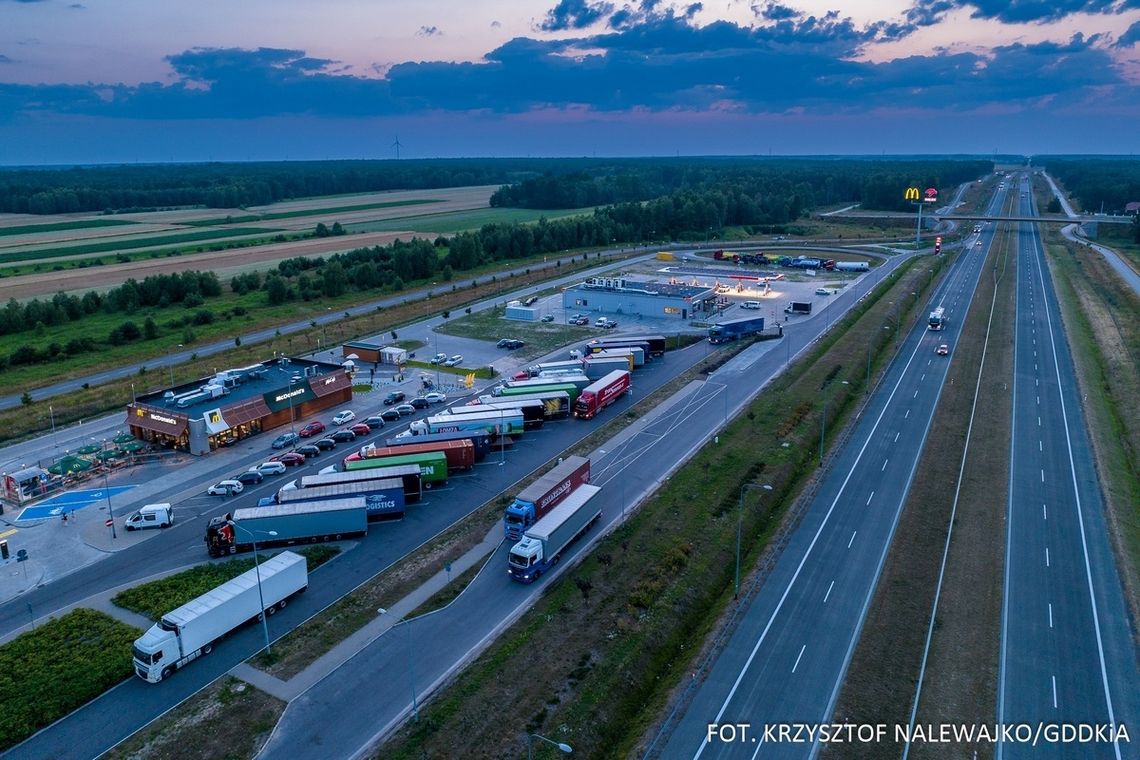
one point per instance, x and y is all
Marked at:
(360, 429)
(291, 459)
(312, 429)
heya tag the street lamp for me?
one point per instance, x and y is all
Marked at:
(739, 526)
(823, 423)
(107, 489)
(411, 662)
(257, 571)
(563, 747)
(172, 367)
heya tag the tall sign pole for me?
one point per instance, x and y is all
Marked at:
(911, 194)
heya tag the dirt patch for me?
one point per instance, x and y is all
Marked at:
(229, 718)
(962, 668)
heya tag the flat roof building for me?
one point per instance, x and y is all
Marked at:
(233, 404)
(618, 295)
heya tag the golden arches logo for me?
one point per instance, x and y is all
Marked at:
(911, 194)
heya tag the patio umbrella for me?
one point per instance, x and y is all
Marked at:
(109, 454)
(90, 448)
(123, 438)
(132, 447)
(69, 464)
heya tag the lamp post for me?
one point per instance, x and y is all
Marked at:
(739, 528)
(172, 367)
(107, 489)
(562, 747)
(257, 571)
(411, 662)
(823, 423)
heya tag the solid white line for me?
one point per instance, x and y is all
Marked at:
(884, 465)
(852, 540)
(801, 654)
(828, 594)
(1055, 693)
(1050, 614)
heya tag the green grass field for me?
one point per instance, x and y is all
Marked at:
(458, 221)
(26, 229)
(126, 245)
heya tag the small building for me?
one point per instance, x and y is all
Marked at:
(365, 352)
(237, 403)
(617, 295)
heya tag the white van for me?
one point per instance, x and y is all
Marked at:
(750, 305)
(151, 516)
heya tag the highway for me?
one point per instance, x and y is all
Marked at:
(786, 660)
(1067, 653)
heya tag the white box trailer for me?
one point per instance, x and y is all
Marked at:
(543, 544)
(192, 630)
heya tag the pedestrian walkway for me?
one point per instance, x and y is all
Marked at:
(345, 650)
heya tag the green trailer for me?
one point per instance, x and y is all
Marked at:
(432, 464)
(569, 388)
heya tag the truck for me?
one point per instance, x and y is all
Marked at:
(460, 454)
(555, 404)
(480, 440)
(655, 344)
(734, 329)
(570, 389)
(798, 307)
(851, 266)
(407, 474)
(498, 423)
(194, 629)
(533, 411)
(383, 498)
(937, 320)
(578, 380)
(432, 464)
(286, 524)
(544, 494)
(569, 364)
(597, 368)
(634, 352)
(542, 545)
(601, 394)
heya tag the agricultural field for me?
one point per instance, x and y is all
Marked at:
(460, 221)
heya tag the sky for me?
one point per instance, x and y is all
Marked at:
(111, 81)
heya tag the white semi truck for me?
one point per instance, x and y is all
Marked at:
(192, 630)
(543, 544)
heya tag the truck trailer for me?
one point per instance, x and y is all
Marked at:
(851, 266)
(528, 386)
(601, 394)
(497, 423)
(460, 454)
(544, 494)
(555, 404)
(734, 329)
(533, 410)
(542, 545)
(407, 474)
(598, 366)
(192, 630)
(383, 498)
(432, 464)
(553, 386)
(287, 524)
(655, 344)
(480, 440)
(633, 352)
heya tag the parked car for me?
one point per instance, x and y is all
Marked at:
(942, 350)
(454, 361)
(419, 402)
(601, 322)
(284, 440)
(344, 417)
(547, 318)
(439, 359)
(250, 478)
(376, 421)
(404, 409)
(822, 292)
(362, 428)
(531, 301)
(344, 435)
(313, 428)
(325, 444)
(513, 344)
(270, 468)
(394, 397)
(435, 397)
(225, 488)
(291, 459)
(390, 415)
(608, 325)
(503, 343)
(582, 321)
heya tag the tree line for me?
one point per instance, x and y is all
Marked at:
(1099, 183)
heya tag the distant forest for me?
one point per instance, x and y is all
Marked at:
(1097, 181)
(545, 183)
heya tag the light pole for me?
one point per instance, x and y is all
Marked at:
(172, 367)
(823, 423)
(739, 527)
(106, 488)
(562, 747)
(257, 571)
(411, 663)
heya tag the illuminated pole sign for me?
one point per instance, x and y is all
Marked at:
(931, 195)
(911, 194)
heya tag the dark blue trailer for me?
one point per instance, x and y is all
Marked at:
(734, 329)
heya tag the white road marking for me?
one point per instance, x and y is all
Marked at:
(915, 395)
(907, 414)
(853, 537)
(1046, 556)
(801, 654)
(1040, 446)
(897, 436)
(825, 596)
(1054, 692)
(1050, 614)
(1042, 475)
(884, 465)
(1044, 512)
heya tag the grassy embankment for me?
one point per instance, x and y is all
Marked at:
(962, 669)
(88, 402)
(607, 643)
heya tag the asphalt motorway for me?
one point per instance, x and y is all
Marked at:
(786, 660)
(1067, 653)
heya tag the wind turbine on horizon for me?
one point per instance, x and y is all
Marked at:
(396, 145)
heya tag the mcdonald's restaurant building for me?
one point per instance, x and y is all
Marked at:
(235, 404)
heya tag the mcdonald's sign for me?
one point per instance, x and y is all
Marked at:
(911, 194)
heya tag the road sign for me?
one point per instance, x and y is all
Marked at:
(109, 522)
